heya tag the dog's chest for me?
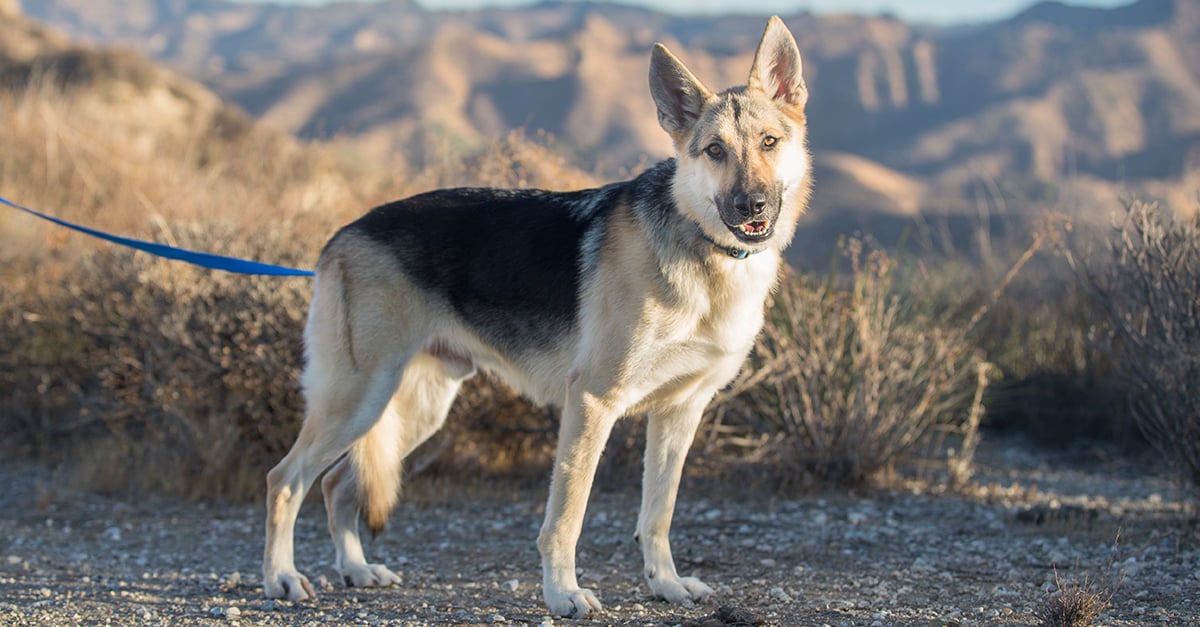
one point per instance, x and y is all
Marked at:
(706, 335)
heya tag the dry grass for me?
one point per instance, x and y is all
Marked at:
(1074, 603)
(1148, 288)
(143, 373)
(139, 363)
(845, 383)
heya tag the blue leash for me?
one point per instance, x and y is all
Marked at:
(204, 260)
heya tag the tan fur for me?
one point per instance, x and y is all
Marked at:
(661, 327)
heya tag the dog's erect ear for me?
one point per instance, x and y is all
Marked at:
(777, 67)
(677, 94)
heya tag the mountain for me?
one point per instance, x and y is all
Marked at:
(1056, 105)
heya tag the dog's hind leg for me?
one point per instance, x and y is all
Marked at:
(338, 415)
(366, 483)
(669, 434)
(342, 508)
(353, 369)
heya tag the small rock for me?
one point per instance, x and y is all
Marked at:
(511, 585)
(726, 615)
(768, 562)
(921, 565)
(779, 595)
(216, 612)
(233, 612)
(231, 582)
(497, 618)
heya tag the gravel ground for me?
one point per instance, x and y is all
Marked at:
(902, 556)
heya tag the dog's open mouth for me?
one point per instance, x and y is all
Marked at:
(757, 230)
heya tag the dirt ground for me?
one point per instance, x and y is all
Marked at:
(901, 556)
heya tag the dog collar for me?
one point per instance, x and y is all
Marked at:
(733, 251)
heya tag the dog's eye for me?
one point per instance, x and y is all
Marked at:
(715, 151)
(769, 142)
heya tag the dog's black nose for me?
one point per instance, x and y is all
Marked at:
(750, 204)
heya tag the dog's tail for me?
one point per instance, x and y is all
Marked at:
(415, 412)
(378, 462)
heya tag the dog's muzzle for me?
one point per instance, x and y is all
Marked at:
(752, 218)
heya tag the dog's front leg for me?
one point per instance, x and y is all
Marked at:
(586, 424)
(669, 434)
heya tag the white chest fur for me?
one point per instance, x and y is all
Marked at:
(695, 339)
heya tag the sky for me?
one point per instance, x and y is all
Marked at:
(927, 11)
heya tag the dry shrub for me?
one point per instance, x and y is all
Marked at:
(1074, 603)
(514, 161)
(133, 371)
(154, 374)
(1148, 286)
(844, 383)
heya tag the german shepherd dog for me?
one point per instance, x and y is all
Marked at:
(643, 296)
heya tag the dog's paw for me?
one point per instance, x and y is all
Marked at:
(288, 585)
(680, 590)
(368, 576)
(575, 603)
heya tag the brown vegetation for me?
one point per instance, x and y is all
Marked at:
(1074, 603)
(1148, 290)
(846, 382)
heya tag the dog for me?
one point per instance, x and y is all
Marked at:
(639, 297)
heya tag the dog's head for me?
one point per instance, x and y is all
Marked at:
(742, 156)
